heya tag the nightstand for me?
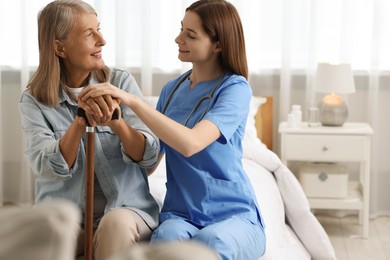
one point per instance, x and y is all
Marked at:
(350, 143)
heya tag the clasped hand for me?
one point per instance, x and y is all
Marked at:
(99, 110)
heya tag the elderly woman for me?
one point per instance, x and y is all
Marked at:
(70, 46)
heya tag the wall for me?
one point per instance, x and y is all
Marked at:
(262, 85)
(15, 184)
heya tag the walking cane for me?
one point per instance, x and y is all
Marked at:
(89, 185)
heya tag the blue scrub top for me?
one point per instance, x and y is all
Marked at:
(211, 185)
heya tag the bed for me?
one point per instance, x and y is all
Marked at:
(292, 230)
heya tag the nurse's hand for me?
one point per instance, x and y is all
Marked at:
(105, 89)
(99, 106)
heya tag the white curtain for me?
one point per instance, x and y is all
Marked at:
(1, 145)
(285, 41)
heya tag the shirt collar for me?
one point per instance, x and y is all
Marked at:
(64, 96)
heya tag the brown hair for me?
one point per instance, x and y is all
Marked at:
(221, 21)
(55, 22)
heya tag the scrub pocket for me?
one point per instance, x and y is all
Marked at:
(229, 198)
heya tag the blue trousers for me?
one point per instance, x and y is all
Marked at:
(234, 238)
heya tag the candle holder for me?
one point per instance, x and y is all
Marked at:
(333, 110)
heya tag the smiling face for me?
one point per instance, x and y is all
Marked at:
(81, 51)
(194, 44)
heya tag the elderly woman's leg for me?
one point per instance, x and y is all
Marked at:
(118, 230)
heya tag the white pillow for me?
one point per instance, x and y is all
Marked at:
(250, 129)
(151, 100)
(251, 144)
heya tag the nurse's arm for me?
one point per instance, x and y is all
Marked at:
(187, 141)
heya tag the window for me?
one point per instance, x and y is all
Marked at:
(142, 32)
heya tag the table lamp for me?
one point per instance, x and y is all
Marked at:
(332, 79)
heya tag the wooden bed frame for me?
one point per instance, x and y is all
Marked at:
(264, 122)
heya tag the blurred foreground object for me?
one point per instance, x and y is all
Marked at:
(46, 231)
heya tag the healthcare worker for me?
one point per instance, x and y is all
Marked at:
(201, 121)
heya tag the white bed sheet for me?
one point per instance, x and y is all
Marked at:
(282, 243)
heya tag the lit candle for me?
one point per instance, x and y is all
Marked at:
(332, 100)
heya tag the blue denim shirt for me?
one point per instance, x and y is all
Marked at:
(123, 181)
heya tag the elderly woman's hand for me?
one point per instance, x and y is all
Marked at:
(99, 110)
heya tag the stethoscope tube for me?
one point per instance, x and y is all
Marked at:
(174, 90)
(208, 96)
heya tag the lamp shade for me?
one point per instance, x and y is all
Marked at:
(334, 78)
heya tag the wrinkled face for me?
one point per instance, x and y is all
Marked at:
(194, 44)
(82, 50)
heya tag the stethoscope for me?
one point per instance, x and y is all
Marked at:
(207, 97)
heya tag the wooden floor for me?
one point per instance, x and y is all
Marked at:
(345, 235)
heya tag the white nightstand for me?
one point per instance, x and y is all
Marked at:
(348, 143)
